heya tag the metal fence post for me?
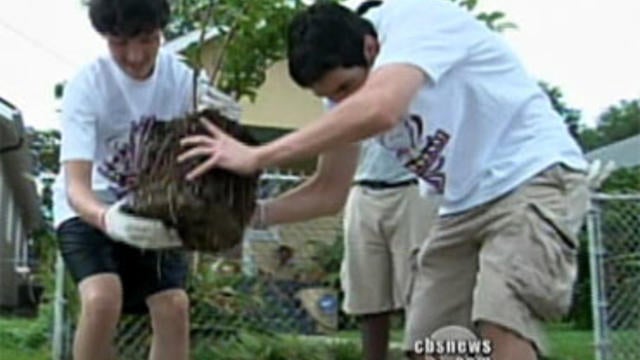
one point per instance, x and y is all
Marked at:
(59, 340)
(595, 266)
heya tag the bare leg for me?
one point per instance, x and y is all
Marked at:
(170, 321)
(375, 335)
(506, 344)
(101, 303)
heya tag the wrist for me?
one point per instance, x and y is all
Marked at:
(101, 220)
(260, 157)
(259, 220)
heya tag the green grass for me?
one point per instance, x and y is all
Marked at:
(22, 339)
(17, 354)
(569, 344)
(565, 342)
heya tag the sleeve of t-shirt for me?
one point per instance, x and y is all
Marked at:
(78, 121)
(433, 35)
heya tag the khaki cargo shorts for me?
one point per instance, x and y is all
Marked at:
(511, 262)
(381, 228)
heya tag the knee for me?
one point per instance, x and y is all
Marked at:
(169, 307)
(101, 305)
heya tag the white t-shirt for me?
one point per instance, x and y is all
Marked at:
(375, 162)
(98, 108)
(481, 126)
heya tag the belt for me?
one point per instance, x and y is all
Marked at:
(378, 185)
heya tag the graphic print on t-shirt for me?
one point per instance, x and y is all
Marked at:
(121, 167)
(422, 155)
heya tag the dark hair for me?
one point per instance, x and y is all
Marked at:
(128, 18)
(364, 7)
(323, 37)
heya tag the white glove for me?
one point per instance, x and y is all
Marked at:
(138, 231)
(598, 173)
(211, 98)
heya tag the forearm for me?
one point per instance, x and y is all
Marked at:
(81, 197)
(87, 206)
(308, 201)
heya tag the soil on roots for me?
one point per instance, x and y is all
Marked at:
(211, 212)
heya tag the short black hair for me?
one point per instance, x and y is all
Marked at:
(323, 37)
(128, 18)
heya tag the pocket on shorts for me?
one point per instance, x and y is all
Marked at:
(544, 270)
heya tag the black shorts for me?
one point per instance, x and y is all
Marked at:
(88, 251)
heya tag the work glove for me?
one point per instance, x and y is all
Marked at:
(137, 231)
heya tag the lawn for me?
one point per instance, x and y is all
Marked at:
(569, 344)
(566, 343)
(23, 339)
(9, 353)
(19, 337)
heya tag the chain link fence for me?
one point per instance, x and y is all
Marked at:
(284, 281)
(614, 237)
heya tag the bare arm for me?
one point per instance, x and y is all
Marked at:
(323, 194)
(81, 196)
(376, 107)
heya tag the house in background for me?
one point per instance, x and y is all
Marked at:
(19, 209)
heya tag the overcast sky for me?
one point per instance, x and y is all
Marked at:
(590, 48)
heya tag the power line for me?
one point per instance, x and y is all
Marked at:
(38, 44)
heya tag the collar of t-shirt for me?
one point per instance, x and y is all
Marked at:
(137, 94)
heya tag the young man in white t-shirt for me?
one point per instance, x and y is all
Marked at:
(100, 104)
(452, 102)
